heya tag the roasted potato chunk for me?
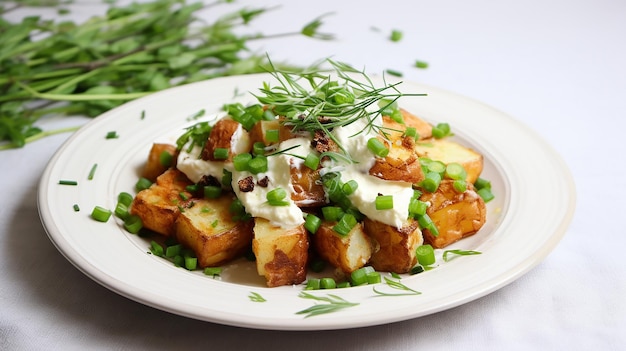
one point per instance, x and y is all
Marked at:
(206, 226)
(394, 247)
(456, 215)
(159, 206)
(448, 151)
(226, 134)
(401, 164)
(281, 254)
(307, 188)
(154, 167)
(346, 252)
(395, 130)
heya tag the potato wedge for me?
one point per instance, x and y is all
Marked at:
(281, 254)
(154, 167)
(159, 206)
(448, 151)
(395, 247)
(348, 253)
(206, 226)
(456, 215)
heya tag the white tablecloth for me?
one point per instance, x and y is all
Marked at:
(557, 66)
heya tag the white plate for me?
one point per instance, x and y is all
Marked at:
(534, 204)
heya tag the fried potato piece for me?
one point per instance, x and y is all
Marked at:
(401, 164)
(281, 254)
(395, 247)
(206, 226)
(456, 215)
(154, 167)
(227, 134)
(307, 188)
(448, 151)
(158, 206)
(346, 252)
(395, 130)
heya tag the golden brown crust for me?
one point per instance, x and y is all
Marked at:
(154, 167)
(395, 246)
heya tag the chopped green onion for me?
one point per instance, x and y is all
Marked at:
(227, 179)
(421, 64)
(437, 167)
(350, 187)
(394, 72)
(396, 115)
(111, 135)
(312, 161)
(332, 213)
(384, 202)
(142, 184)
(220, 153)
(68, 182)
(257, 165)
(133, 224)
(455, 171)
(258, 148)
(312, 223)
(373, 278)
(396, 35)
(166, 159)
(417, 207)
(125, 198)
(76, 208)
(213, 271)
(441, 130)
(100, 214)
(416, 270)
(342, 285)
(345, 224)
(459, 185)
(183, 196)
(121, 211)
(191, 263)
(481, 183)
(272, 135)
(425, 255)
(313, 284)
(179, 260)
(431, 182)
(173, 250)
(156, 248)
(427, 223)
(240, 161)
(92, 171)
(411, 132)
(377, 147)
(359, 276)
(276, 197)
(192, 188)
(212, 191)
(328, 283)
(485, 194)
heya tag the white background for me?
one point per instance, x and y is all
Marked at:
(557, 66)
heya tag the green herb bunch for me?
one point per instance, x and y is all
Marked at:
(66, 68)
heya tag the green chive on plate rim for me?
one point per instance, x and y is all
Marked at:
(120, 261)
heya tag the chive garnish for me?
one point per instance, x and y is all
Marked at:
(68, 182)
(92, 172)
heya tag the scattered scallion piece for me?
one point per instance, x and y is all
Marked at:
(220, 153)
(125, 198)
(76, 208)
(377, 147)
(421, 64)
(312, 161)
(142, 184)
(460, 185)
(431, 182)
(212, 271)
(455, 171)
(328, 283)
(121, 211)
(258, 148)
(156, 248)
(359, 276)
(384, 202)
(68, 182)
(345, 224)
(332, 213)
(441, 130)
(396, 35)
(257, 165)
(350, 187)
(240, 161)
(276, 197)
(111, 135)
(92, 171)
(166, 159)
(485, 194)
(425, 255)
(272, 135)
(393, 72)
(312, 284)
(173, 250)
(100, 214)
(312, 223)
(133, 224)
(212, 191)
